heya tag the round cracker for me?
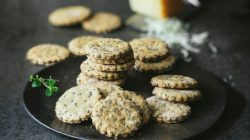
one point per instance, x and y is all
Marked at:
(168, 112)
(116, 117)
(106, 88)
(47, 54)
(107, 48)
(149, 49)
(174, 81)
(76, 45)
(102, 22)
(177, 95)
(138, 100)
(70, 15)
(87, 70)
(76, 104)
(110, 68)
(84, 79)
(156, 67)
(129, 57)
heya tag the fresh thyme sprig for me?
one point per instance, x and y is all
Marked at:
(49, 84)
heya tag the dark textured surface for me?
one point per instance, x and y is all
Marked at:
(204, 112)
(23, 23)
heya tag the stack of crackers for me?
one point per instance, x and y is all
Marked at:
(108, 60)
(172, 92)
(152, 55)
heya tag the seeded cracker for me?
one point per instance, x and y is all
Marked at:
(116, 118)
(76, 45)
(156, 67)
(110, 68)
(84, 79)
(107, 48)
(106, 88)
(177, 95)
(102, 22)
(174, 81)
(127, 58)
(138, 100)
(47, 54)
(70, 15)
(76, 104)
(87, 70)
(168, 112)
(149, 49)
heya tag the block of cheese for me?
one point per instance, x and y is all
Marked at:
(157, 8)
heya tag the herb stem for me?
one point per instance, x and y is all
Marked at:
(49, 84)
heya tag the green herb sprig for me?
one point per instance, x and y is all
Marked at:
(49, 84)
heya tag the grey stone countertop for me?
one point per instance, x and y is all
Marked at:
(23, 23)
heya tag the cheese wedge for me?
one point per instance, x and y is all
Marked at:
(157, 8)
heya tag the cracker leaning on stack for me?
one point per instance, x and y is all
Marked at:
(108, 60)
(151, 55)
(171, 94)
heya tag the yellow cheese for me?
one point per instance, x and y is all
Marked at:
(157, 8)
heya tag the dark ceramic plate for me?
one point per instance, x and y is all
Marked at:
(204, 112)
